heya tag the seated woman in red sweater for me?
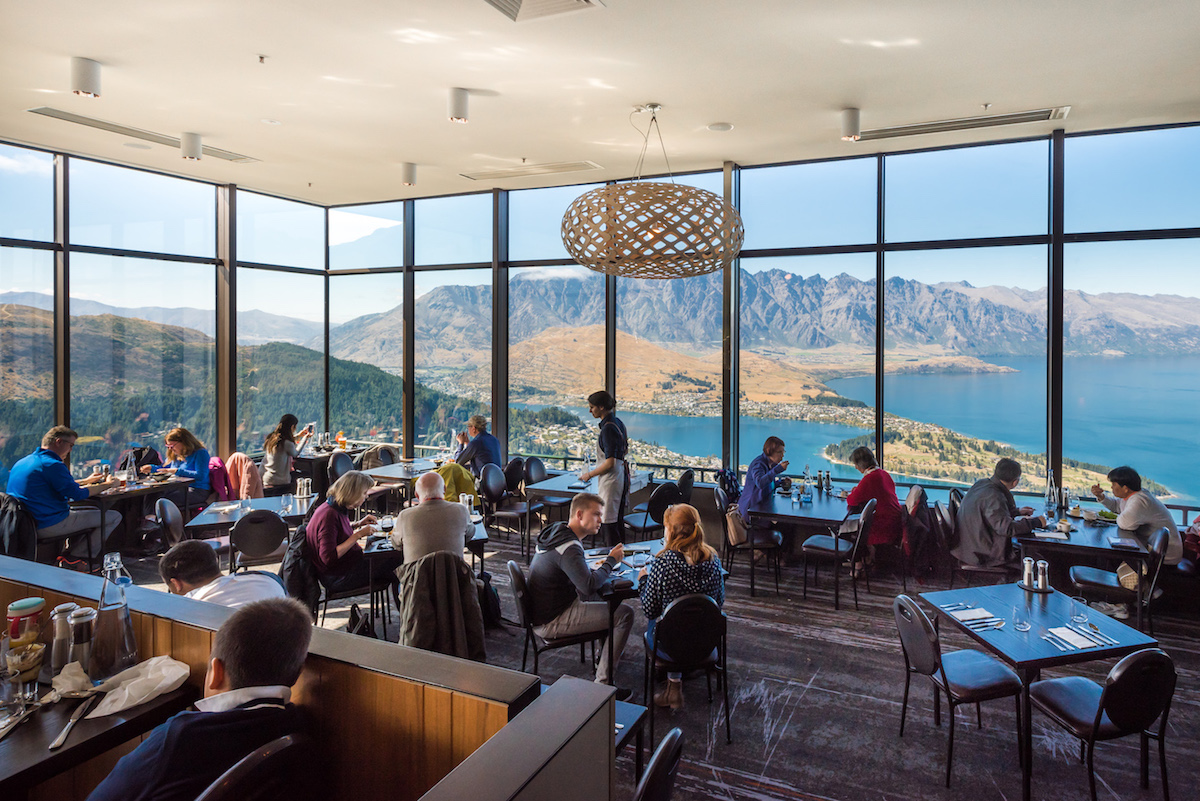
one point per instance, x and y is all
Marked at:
(333, 540)
(886, 527)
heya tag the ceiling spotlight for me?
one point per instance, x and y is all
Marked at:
(408, 174)
(458, 105)
(851, 130)
(85, 77)
(191, 146)
(721, 127)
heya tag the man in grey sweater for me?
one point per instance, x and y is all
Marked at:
(987, 520)
(565, 593)
(434, 524)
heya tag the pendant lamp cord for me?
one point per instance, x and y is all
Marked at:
(646, 144)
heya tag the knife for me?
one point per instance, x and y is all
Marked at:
(1078, 629)
(12, 723)
(79, 712)
(1096, 629)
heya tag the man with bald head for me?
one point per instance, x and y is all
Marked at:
(434, 524)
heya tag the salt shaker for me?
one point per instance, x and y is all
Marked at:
(60, 648)
(83, 624)
(1043, 574)
(1027, 572)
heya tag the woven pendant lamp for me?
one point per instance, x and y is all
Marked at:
(650, 229)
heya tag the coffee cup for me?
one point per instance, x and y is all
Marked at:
(1064, 526)
(1090, 515)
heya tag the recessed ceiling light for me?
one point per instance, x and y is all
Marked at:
(137, 146)
(265, 121)
(721, 127)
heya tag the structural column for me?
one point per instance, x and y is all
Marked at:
(226, 344)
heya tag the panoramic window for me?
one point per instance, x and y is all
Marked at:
(453, 230)
(26, 194)
(366, 356)
(810, 205)
(271, 230)
(535, 221)
(116, 207)
(26, 351)
(965, 363)
(1131, 363)
(139, 367)
(366, 236)
(555, 358)
(452, 353)
(1133, 181)
(808, 358)
(281, 352)
(967, 192)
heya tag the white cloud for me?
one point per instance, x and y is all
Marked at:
(26, 164)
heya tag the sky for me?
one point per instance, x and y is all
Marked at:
(1123, 181)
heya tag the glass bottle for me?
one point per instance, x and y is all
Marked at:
(113, 647)
(1051, 493)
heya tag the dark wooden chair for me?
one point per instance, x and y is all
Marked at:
(658, 782)
(541, 644)
(1096, 584)
(535, 471)
(837, 551)
(644, 525)
(502, 510)
(690, 635)
(257, 538)
(283, 768)
(966, 677)
(769, 542)
(948, 522)
(1137, 692)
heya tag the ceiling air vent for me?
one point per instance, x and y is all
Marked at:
(526, 170)
(137, 133)
(966, 123)
(524, 10)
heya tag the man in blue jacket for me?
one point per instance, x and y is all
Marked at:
(761, 475)
(257, 655)
(482, 448)
(43, 483)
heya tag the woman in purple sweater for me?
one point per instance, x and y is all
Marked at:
(333, 539)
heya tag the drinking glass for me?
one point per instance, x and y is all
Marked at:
(1079, 612)
(795, 497)
(12, 700)
(245, 504)
(1020, 619)
(26, 662)
(287, 501)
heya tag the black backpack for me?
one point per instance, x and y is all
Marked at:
(489, 602)
(298, 573)
(136, 458)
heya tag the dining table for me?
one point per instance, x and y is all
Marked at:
(568, 485)
(1061, 632)
(26, 759)
(403, 474)
(313, 462)
(1087, 540)
(824, 510)
(223, 514)
(141, 487)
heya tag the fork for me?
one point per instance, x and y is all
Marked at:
(957, 607)
(1053, 642)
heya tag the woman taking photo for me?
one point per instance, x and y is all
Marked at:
(187, 458)
(333, 539)
(281, 449)
(613, 486)
(684, 566)
(887, 525)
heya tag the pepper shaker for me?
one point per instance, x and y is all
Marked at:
(60, 648)
(1043, 574)
(1027, 572)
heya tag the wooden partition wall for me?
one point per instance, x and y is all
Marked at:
(395, 720)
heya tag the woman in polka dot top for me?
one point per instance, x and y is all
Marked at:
(686, 565)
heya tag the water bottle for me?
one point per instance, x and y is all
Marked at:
(113, 647)
(1051, 494)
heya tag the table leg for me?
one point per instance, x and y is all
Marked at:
(1026, 739)
(612, 613)
(637, 743)
(1141, 572)
(371, 595)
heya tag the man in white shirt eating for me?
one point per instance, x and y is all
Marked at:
(191, 569)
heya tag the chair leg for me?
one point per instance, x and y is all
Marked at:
(1162, 762)
(1145, 755)
(836, 581)
(525, 652)
(854, 584)
(729, 731)
(804, 567)
(1091, 769)
(776, 571)
(950, 745)
(978, 717)
(752, 571)
(937, 706)
(904, 703)
(1020, 739)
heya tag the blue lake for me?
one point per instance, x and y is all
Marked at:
(1141, 412)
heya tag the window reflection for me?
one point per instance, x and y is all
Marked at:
(138, 372)
(965, 363)
(555, 358)
(135, 210)
(535, 221)
(366, 356)
(453, 230)
(452, 353)
(810, 205)
(808, 358)
(276, 231)
(26, 353)
(366, 236)
(1131, 362)
(26, 194)
(281, 352)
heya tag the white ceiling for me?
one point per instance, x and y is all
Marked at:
(360, 86)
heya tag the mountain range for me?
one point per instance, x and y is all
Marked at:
(254, 327)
